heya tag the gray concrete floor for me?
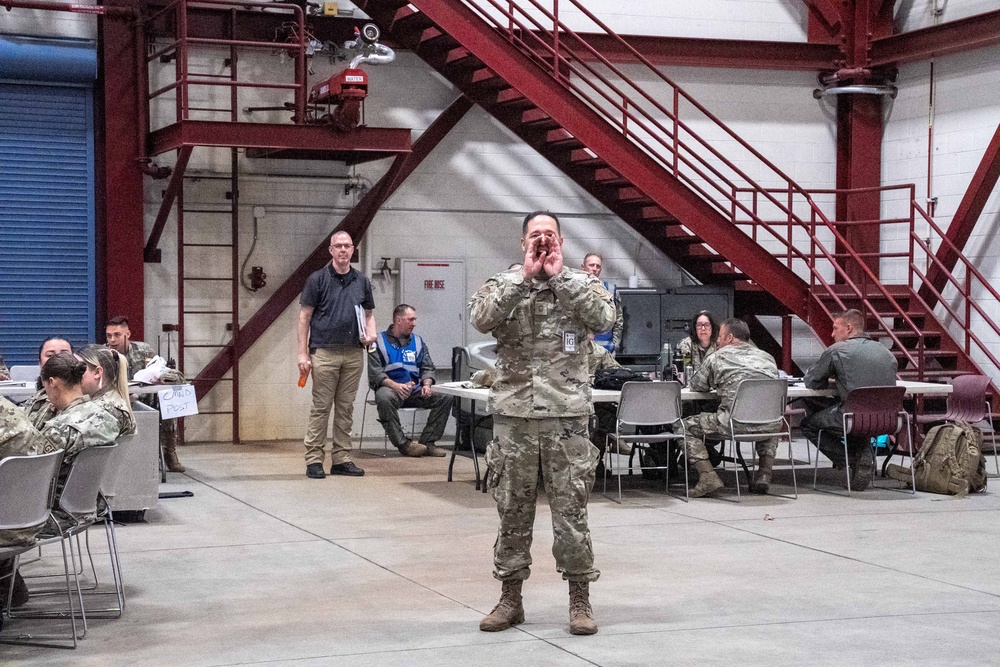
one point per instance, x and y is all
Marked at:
(264, 566)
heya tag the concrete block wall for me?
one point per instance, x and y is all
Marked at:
(966, 116)
(925, 13)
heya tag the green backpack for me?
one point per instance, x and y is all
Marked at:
(950, 461)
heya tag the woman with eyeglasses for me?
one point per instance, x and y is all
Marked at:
(701, 341)
(106, 382)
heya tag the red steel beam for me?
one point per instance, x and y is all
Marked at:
(826, 10)
(577, 118)
(119, 169)
(968, 212)
(225, 134)
(356, 223)
(972, 32)
(151, 253)
(698, 52)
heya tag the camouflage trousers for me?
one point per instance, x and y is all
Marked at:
(707, 425)
(559, 448)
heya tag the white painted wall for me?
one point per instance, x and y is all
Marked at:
(966, 116)
(917, 14)
(39, 23)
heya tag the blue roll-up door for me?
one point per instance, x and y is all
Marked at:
(46, 217)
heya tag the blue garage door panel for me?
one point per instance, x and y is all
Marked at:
(46, 218)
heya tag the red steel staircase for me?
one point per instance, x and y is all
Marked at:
(685, 181)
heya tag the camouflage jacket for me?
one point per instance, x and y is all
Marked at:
(726, 368)
(39, 409)
(4, 371)
(541, 328)
(82, 424)
(692, 350)
(118, 408)
(597, 358)
(17, 436)
(137, 355)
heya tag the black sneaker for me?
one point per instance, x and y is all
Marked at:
(862, 464)
(315, 471)
(348, 468)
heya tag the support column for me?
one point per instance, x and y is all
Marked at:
(119, 174)
(859, 165)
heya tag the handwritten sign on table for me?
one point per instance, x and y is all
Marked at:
(177, 401)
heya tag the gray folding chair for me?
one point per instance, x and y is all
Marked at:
(758, 403)
(370, 400)
(79, 502)
(647, 404)
(27, 487)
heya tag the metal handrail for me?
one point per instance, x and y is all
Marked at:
(564, 57)
(179, 46)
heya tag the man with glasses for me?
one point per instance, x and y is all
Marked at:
(332, 348)
(611, 339)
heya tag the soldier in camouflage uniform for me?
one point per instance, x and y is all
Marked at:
(106, 382)
(541, 315)
(38, 407)
(138, 355)
(76, 425)
(735, 360)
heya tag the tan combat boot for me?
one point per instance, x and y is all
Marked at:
(762, 480)
(581, 616)
(509, 611)
(708, 480)
(170, 456)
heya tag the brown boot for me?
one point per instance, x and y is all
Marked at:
(509, 611)
(414, 449)
(708, 480)
(170, 456)
(581, 616)
(762, 480)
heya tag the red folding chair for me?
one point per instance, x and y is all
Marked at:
(868, 413)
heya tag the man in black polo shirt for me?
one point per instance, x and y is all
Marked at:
(331, 346)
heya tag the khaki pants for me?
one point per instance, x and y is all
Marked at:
(336, 374)
(559, 447)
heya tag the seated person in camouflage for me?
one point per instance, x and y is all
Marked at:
(38, 406)
(17, 438)
(78, 422)
(735, 360)
(401, 372)
(138, 355)
(106, 382)
(605, 413)
(701, 343)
